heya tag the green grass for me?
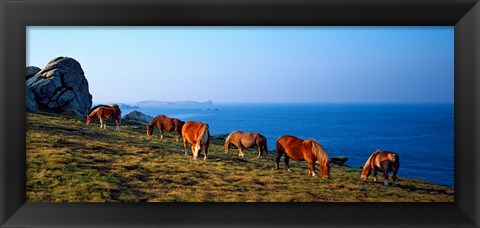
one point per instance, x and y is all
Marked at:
(70, 162)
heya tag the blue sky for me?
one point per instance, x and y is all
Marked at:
(255, 64)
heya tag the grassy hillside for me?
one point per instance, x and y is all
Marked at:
(70, 162)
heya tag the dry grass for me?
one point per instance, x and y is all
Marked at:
(70, 162)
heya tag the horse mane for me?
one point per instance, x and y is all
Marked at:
(318, 150)
(369, 161)
(153, 121)
(228, 137)
(95, 107)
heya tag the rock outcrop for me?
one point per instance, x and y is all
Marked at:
(61, 86)
(136, 117)
(31, 103)
(31, 71)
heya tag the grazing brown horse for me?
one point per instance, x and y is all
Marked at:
(247, 140)
(165, 123)
(383, 161)
(103, 114)
(105, 106)
(198, 135)
(303, 150)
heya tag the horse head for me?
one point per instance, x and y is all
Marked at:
(197, 148)
(89, 120)
(325, 169)
(227, 143)
(201, 141)
(365, 173)
(149, 130)
(367, 167)
(322, 158)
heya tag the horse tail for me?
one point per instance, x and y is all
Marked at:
(119, 117)
(205, 136)
(265, 144)
(279, 147)
(180, 125)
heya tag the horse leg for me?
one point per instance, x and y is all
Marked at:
(240, 150)
(385, 165)
(259, 151)
(161, 132)
(118, 126)
(193, 150)
(227, 147)
(311, 167)
(101, 123)
(179, 136)
(206, 152)
(385, 174)
(287, 166)
(277, 159)
(375, 174)
(185, 146)
(394, 176)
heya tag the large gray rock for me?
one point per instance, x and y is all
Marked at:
(61, 86)
(136, 117)
(31, 71)
(31, 103)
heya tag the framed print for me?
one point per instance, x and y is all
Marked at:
(335, 94)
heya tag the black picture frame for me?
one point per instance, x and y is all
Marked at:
(17, 14)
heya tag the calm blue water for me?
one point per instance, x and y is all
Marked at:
(422, 134)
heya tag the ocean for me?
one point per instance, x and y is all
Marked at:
(421, 134)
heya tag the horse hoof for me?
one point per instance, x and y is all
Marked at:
(289, 170)
(385, 183)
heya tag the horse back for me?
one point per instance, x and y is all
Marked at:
(292, 146)
(386, 157)
(193, 131)
(248, 139)
(235, 137)
(112, 113)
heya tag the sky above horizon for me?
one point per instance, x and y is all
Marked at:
(256, 64)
